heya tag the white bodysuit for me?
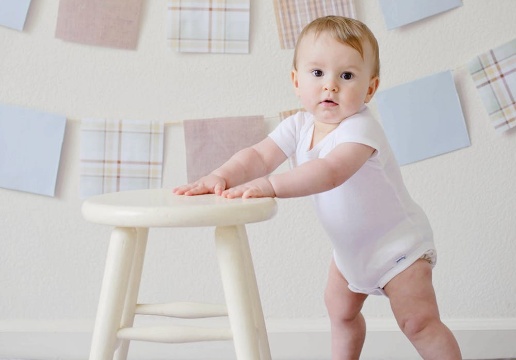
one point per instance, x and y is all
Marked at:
(377, 230)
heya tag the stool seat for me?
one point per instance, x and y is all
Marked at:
(131, 214)
(162, 208)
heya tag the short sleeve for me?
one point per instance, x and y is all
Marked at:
(286, 134)
(362, 128)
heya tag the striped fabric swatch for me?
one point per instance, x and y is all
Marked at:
(111, 23)
(118, 155)
(209, 26)
(293, 15)
(494, 74)
(211, 142)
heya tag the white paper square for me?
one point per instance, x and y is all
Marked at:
(423, 118)
(30, 149)
(401, 12)
(13, 13)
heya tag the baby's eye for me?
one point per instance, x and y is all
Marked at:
(317, 73)
(346, 76)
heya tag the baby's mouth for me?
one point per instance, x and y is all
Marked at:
(329, 102)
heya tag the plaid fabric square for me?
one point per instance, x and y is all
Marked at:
(494, 74)
(293, 15)
(211, 142)
(209, 26)
(118, 155)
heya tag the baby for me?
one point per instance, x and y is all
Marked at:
(382, 240)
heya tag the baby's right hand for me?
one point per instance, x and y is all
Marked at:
(209, 184)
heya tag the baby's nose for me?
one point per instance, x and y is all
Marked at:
(331, 87)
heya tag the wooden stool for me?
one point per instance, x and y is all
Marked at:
(132, 213)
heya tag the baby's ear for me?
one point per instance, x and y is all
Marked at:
(371, 90)
(295, 82)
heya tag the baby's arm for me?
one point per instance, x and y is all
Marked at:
(312, 177)
(247, 164)
(322, 174)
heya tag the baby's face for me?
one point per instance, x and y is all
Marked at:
(332, 79)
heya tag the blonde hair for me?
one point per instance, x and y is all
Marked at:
(345, 30)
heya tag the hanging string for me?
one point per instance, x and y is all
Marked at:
(180, 122)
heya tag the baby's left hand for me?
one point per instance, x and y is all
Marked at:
(257, 188)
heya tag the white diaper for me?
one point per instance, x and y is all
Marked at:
(425, 251)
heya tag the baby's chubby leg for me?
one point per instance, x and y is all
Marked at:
(348, 326)
(414, 305)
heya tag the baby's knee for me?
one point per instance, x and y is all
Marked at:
(412, 326)
(342, 308)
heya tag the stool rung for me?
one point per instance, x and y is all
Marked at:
(185, 310)
(174, 334)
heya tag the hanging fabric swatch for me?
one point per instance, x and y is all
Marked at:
(285, 114)
(402, 12)
(494, 74)
(118, 155)
(111, 23)
(13, 13)
(423, 118)
(209, 26)
(30, 149)
(293, 15)
(211, 142)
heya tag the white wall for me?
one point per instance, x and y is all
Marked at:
(51, 261)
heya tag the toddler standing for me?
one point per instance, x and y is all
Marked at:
(382, 240)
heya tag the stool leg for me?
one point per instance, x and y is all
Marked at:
(252, 285)
(238, 300)
(113, 293)
(133, 288)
